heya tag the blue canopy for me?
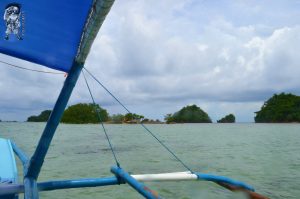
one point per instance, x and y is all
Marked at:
(49, 32)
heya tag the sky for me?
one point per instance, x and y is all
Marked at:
(226, 56)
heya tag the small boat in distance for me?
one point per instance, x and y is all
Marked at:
(59, 34)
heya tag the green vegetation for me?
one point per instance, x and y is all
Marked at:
(84, 113)
(43, 117)
(188, 114)
(280, 108)
(132, 118)
(227, 119)
(116, 119)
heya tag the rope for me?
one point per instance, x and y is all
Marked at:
(100, 120)
(148, 130)
(29, 69)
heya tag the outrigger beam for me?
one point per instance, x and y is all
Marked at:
(224, 180)
(96, 182)
(139, 187)
(9, 189)
(187, 176)
(123, 177)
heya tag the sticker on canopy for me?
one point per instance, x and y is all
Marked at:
(15, 21)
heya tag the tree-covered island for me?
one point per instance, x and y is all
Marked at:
(84, 113)
(227, 119)
(188, 114)
(280, 108)
(42, 117)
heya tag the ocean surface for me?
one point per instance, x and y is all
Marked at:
(266, 156)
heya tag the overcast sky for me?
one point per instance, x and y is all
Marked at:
(226, 56)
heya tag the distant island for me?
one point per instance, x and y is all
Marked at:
(84, 113)
(227, 119)
(42, 117)
(280, 108)
(188, 114)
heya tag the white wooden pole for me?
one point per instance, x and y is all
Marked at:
(176, 176)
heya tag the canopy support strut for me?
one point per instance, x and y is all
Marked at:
(36, 161)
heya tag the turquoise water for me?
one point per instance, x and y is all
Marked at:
(266, 156)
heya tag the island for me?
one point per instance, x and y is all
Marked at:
(84, 113)
(132, 118)
(42, 117)
(81, 113)
(227, 119)
(280, 108)
(188, 114)
(116, 119)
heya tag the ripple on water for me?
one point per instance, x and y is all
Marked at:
(266, 156)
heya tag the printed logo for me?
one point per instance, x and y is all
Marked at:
(14, 21)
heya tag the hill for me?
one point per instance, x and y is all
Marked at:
(83, 113)
(280, 108)
(188, 114)
(42, 117)
(227, 119)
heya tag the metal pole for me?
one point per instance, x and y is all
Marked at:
(36, 161)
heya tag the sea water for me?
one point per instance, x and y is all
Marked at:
(266, 156)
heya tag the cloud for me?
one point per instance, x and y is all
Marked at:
(24, 92)
(158, 57)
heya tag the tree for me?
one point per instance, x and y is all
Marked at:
(117, 118)
(132, 117)
(280, 108)
(169, 118)
(42, 117)
(188, 114)
(227, 119)
(83, 113)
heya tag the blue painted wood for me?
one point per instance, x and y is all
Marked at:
(139, 187)
(10, 189)
(77, 183)
(21, 155)
(38, 157)
(8, 168)
(30, 187)
(37, 160)
(61, 184)
(222, 179)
